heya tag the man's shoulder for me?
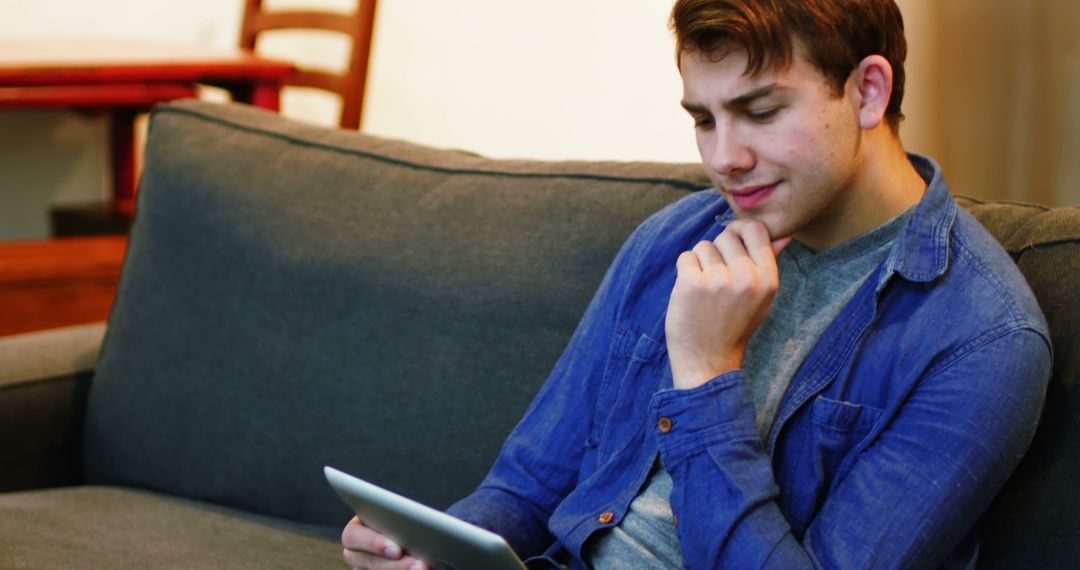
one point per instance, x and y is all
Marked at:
(982, 271)
(685, 218)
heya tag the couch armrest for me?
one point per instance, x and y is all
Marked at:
(44, 382)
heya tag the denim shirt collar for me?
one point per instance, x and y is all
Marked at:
(921, 252)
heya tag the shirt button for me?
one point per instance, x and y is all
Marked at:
(664, 425)
(675, 520)
(606, 518)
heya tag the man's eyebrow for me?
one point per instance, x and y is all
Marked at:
(693, 108)
(749, 97)
(741, 101)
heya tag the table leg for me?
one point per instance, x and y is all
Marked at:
(262, 94)
(125, 176)
(266, 96)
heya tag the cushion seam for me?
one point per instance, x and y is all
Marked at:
(679, 184)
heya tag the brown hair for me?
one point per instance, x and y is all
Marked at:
(837, 35)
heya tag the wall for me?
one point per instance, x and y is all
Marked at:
(1007, 97)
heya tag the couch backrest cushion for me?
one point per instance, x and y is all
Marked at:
(294, 296)
(1035, 523)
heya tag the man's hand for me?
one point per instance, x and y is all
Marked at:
(722, 293)
(365, 548)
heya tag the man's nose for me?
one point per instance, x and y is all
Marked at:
(731, 155)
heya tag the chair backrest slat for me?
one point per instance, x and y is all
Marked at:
(359, 26)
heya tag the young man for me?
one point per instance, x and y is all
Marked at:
(822, 362)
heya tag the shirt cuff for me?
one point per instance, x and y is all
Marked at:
(690, 421)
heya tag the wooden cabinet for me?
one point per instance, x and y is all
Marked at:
(58, 282)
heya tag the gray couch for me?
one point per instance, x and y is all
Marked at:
(294, 296)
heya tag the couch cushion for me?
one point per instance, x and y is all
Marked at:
(102, 527)
(44, 381)
(294, 296)
(1036, 520)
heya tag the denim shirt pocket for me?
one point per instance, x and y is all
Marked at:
(837, 427)
(839, 417)
(631, 382)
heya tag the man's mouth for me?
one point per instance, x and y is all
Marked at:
(749, 197)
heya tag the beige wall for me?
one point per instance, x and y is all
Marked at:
(993, 87)
(996, 95)
(554, 79)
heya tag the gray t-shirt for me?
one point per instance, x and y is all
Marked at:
(814, 288)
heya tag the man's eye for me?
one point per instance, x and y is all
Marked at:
(764, 115)
(703, 122)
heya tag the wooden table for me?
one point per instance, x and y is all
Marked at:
(126, 78)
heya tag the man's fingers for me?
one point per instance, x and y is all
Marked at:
(743, 244)
(373, 562)
(360, 539)
(755, 241)
(688, 261)
(734, 251)
(778, 245)
(707, 254)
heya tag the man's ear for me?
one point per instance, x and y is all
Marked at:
(873, 78)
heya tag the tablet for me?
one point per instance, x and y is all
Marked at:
(437, 538)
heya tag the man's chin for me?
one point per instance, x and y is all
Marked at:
(777, 228)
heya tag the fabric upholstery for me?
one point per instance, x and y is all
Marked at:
(294, 297)
(44, 381)
(108, 528)
(49, 354)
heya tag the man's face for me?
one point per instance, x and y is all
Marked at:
(781, 146)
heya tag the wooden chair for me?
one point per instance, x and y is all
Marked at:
(358, 26)
(111, 219)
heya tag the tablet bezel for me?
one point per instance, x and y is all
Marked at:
(428, 534)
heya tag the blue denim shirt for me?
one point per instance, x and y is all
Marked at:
(896, 433)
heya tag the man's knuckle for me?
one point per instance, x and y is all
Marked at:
(699, 287)
(719, 282)
(743, 288)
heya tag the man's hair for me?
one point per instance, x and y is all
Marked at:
(836, 35)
